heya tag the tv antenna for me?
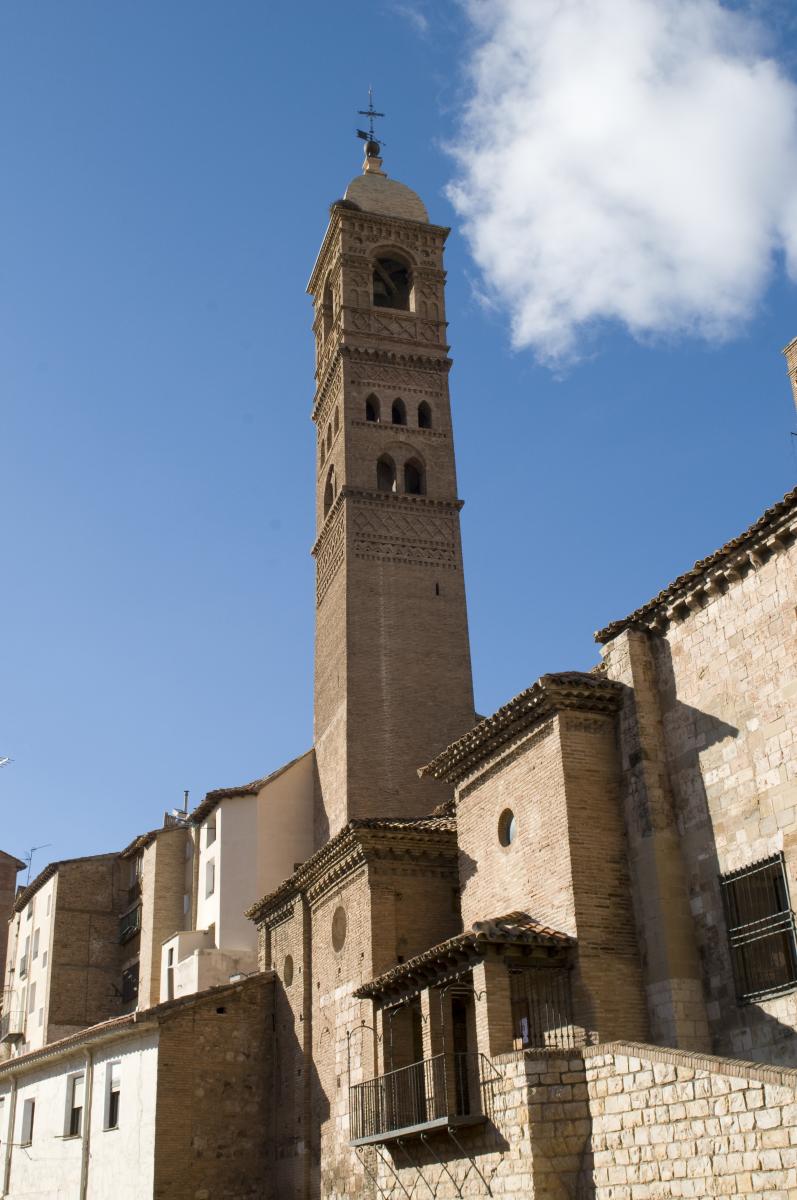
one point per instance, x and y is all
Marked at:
(370, 112)
(29, 857)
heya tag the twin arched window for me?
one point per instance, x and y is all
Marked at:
(414, 476)
(398, 413)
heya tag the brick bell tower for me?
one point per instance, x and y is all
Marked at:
(393, 680)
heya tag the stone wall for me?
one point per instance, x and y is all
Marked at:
(720, 773)
(620, 1121)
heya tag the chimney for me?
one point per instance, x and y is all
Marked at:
(791, 366)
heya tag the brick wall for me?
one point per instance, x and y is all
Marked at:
(567, 866)
(213, 1096)
(85, 957)
(163, 888)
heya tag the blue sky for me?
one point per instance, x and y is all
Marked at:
(167, 172)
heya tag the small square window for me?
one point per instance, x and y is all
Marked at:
(761, 929)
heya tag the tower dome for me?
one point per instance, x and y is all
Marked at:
(374, 192)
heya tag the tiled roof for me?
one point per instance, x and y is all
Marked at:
(213, 798)
(28, 892)
(407, 829)
(775, 529)
(513, 928)
(566, 689)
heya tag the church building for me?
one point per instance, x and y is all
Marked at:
(548, 953)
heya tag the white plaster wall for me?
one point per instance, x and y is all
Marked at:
(236, 871)
(121, 1163)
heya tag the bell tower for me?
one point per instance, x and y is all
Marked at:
(392, 661)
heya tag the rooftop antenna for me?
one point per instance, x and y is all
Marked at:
(185, 801)
(372, 143)
(29, 858)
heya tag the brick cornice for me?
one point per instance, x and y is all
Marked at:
(429, 839)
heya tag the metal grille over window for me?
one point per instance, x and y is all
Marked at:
(541, 1008)
(760, 929)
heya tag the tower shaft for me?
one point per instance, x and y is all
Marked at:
(392, 661)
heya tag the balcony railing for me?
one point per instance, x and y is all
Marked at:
(130, 923)
(436, 1092)
(12, 1026)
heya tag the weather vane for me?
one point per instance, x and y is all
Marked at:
(370, 112)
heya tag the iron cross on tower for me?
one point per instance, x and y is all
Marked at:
(372, 144)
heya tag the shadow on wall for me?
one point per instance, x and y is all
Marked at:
(298, 1106)
(737, 1030)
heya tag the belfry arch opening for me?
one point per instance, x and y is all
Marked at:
(386, 474)
(398, 413)
(424, 415)
(392, 284)
(414, 478)
(372, 408)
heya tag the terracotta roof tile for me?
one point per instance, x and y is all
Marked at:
(770, 532)
(512, 928)
(563, 690)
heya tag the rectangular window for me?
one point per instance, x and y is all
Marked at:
(210, 832)
(186, 903)
(40, 1017)
(761, 929)
(49, 902)
(74, 1106)
(28, 1113)
(32, 998)
(130, 984)
(210, 878)
(44, 958)
(112, 1090)
(29, 913)
(24, 961)
(35, 943)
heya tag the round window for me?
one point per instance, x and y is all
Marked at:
(287, 970)
(339, 927)
(507, 827)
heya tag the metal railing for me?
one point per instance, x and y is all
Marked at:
(130, 923)
(12, 1026)
(429, 1091)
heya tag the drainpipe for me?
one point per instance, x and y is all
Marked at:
(12, 1118)
(84, 1158)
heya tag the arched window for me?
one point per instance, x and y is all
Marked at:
(337, 419)
(326, 310)
(392, 284)
(424, 415)
(386, 474)
(329, 438)
(414, 481)
(398, 413)
(329, 490)
(372, 408)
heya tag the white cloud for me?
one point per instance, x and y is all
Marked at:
(625, 160)
(413, 13)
